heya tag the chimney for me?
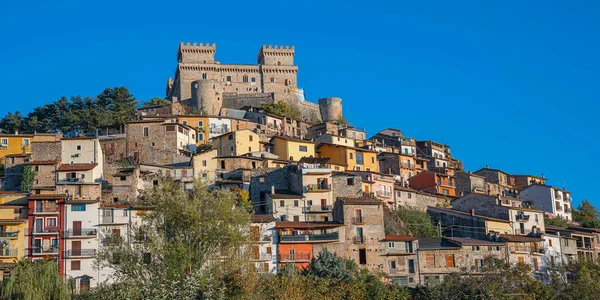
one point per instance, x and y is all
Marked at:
(16, 131)
(542, 175)
(497, 236)
(534, 230)
(472, 211)
(486, 166)
(272, 189)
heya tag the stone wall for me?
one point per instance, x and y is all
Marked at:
(341, 188)
(46, 151)
(159, 147)
(81, 191)
(45, 175)
(263, 180)
(114, 148)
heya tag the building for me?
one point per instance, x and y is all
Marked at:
(158, 142)
(527, 250)
(291, 148)
(588, 245)
(205, 167)
(378, 185)
(567, 246)
(113, 226)
(438, 155)
(433, 182)
(328, 138)
(400, 256)
(45, 222)
(455, 223)
(352, 158)
(13, 226)
(522, 181)
(498, 182)
(317, 188)
(438, 257)
(550, 199)
(15, 144)
(263, 246)
(236, 143)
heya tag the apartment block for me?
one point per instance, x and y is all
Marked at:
(549, 199)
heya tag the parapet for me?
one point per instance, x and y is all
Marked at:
(197, 46)
(277, 48)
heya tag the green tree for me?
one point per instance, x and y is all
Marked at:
(186, 246)
(407, 220)
(557, 221)
(330, 266)
(12, 122)
(122, 104)
(282, 109)
(35, 280)
(28, 178)
(203, 148)
(156, 101)
(585, 212)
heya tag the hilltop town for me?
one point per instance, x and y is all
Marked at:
(314, 182)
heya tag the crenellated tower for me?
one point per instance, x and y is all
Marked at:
(276, 55)
(196, 53)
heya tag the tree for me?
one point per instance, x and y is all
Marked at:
(330, 266)
(35, 280)
(203, 148)
(282, 109)
(585, 212)
(28, 178)
(11, 122)
(122, 104)
(407, 220)
(156, 101)
(557, 221)
(342, 121)
(243, 199)
(185, 247)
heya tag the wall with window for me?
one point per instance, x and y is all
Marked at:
(14, 144)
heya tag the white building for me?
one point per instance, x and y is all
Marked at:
(80, 243)
(113, 223)
(263, 251)
(549, 199)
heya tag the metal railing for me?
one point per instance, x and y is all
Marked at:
(523, 217)
(108, 219)
(295, 257)
(40, 250)
(310, 237)
(47, 229)
(446, 183)
(358, 220)
(9, 234)
(45, 209)
(384, 194)
(520, 248)
(80, 252)
(9, 252)
(318, 208)
(359, 240)
(82, 232)
(317, 187)
(264, 256)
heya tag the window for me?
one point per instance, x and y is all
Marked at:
(411, 266)
(449, 261)
(145, 132)
(359, 158)
(552, 260)
(51, 222)
(373, 160)
(228, 78)
(409, 195)
(362, 256)
(203, 75)
(272, 79)
(408, 246)
(393, 264)
(303, 149)
(281, 203)
(25, 142)
(521, 260)
(550, 243)
(296, 218)
(261, 179)
(4, 142)
(391, 244)
(230, 137)
(75, 265)
(445, 191)
(295, 203)
(430, 261)
(250, 138)
(78, 147)
(351, 155)
(78, 207)
(245, 78)
(350, 181)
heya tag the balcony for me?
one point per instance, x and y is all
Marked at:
(520, 248)
(359, 240)
(262, 257)
(83, 232)
(9, 252)
(317, 187)
(9, 234)
(446, 183)
(358, 220)
(522, 218)
(325, 237)
(407, 165)
(45, 230)
(44, 251)
(80, 253)
(559, 208)
(393, 271)
(317, 208)
(108, 219)
(567, 210)
(45, 210)
(297, 257)
(384, 194)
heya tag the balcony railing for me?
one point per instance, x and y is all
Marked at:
(358, 240)
(9, 234)
(40, 250)
(8, 252)
(522, 218)
(108, 219)
(295, 257)
(446, 183)
(559, 208)
(80, 252)
(47, 229)
(317, 187)
(46, 209)
(568, 210)
(393, 271)
(358, 220)
(318, 208)
(520, 248)
(384, 194)
(333, 236)
(82, 232)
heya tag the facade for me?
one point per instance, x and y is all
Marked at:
(205, 167)
(498, 182)
(158, 142)
(291, 148)
(378, 185)
(13, 226)
(15, 144)
(433, 182)
(522, 181)
(236, 143)
(352, 158)
(437, 155)
(45, 223)
(527, 250)
(550, 199)
(263, 247)
(467, 224)
(317, 188)
(400, 257)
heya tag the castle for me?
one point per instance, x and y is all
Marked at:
(203, 83)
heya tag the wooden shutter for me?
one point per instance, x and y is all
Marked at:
(449, 261)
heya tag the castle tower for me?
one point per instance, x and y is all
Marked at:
(276, 55)
(206, 95)
(196, 53)
(331, 109)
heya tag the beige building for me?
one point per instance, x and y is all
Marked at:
(317, 188)
(400, 256)
(236, 143)
(205, 167)
(291, 148)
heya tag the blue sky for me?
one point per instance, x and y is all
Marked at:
(510, 84)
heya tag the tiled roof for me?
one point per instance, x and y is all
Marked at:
(400, 238)
(595, 230)
(291, 139)
(18, 155)
(436, 244)
(360, 201)
(76, 167)
(285, 194)
(474, 242)
(46, 196)
(42, 162)
(520, 238)
(262, 218)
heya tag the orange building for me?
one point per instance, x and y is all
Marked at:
(432, 182)
(354, 159)
(300, 241)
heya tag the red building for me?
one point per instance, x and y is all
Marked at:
(45, 229)
(433, 182)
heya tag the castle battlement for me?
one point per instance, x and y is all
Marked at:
(198, 45)
(277, 47)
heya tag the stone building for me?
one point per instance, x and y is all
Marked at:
(469, 182)
(14, 165)
(528, 250)
(400, 257)
(158, 142)
(114, 147)
(455, 223)
(438, 155)
(346, 185)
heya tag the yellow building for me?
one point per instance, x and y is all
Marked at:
(13, 225)
(205, 167)
(15, 144)
(291, 148)
(200, 123)
(354, 159)
(236, 143)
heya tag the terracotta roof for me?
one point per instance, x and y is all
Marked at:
(291, 139)
(78, 138)
(115, 205)
(400, 238)
(18, 155)
(474, 242)
(76, 167)
(403, 188)
(360, 201)
(308, 225)
(46, 196)
(262, 218)
(348, 147)
(467, 214)
(520, 238)
(436, 244)
(12, 192)
(595, 230)
(42, 162)
(285, 194)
